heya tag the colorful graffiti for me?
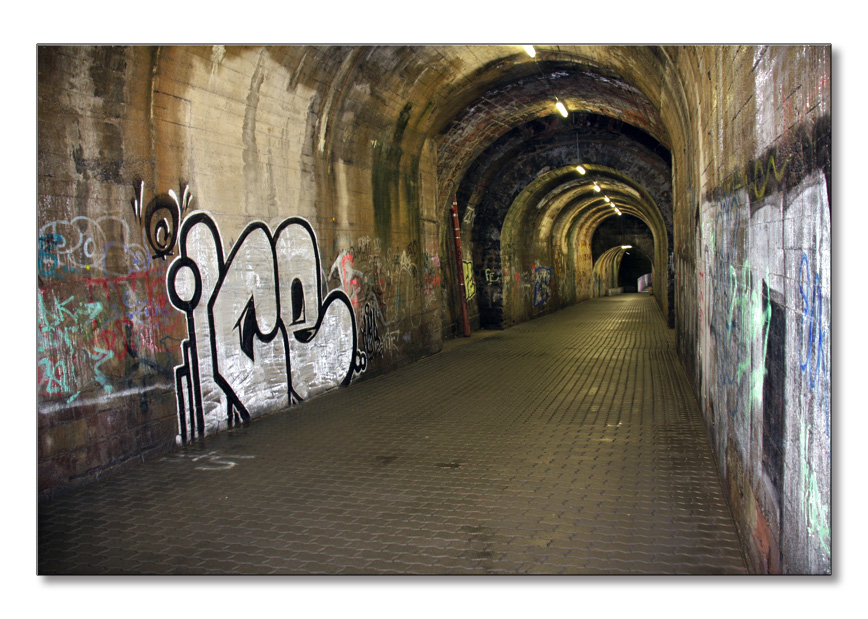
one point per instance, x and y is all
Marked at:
(542, 285)
(763, 295)
(260, 332)
(99, 335)
(388, 291)
(114, 320)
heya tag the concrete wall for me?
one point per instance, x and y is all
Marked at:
(753, 274)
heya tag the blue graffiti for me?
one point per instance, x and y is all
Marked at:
(47, 261)
(542, 285)
(731, 307)
(812, 355)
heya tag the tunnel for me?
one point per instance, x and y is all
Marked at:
(232, 236)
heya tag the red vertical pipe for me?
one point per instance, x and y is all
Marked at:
(462, 292)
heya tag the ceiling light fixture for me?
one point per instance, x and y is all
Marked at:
(562, 109)
(597, 187)
(530, 50)
(581, 170)
(626, 247)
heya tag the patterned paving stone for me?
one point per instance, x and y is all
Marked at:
(570, 444)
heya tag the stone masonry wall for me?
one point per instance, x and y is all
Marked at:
(753, 274)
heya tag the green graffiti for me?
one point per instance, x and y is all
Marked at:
(101, 355)
(753, 317)
(709, 233)
(817, 513)
(756, 319)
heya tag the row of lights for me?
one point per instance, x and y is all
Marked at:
(563, 110)
(598, 189)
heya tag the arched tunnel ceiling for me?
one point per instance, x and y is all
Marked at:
(537, 162)
(498, 140)
(464, 99)
(522, 97)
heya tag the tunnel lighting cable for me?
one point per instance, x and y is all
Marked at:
(579, 167)
(560, 106)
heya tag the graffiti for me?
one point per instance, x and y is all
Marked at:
(89, 247)
(371, 342)
(47, 260)
(161, 218)
(763, 175)
(542, 285)
(816, 516)
(741, 315)
(492, 276)
(755, 315)
(469, 282)
(390, 341)
(431, 277)
(430, 283)
(111, 328)
(368, 246)
(260, 334)
(117, 320)
(406, 264)
(732, 305)
(763, 293)
(386, 290)
(812, 334)
(645, 282)
(350, 279)
(212, 460)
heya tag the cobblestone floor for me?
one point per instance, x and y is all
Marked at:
(570, 444)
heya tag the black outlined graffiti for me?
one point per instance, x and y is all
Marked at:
(260, 333)
(161, 218)
(370, 337)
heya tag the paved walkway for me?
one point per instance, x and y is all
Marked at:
(570, 444)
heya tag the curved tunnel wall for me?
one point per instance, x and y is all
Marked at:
(209, 215)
